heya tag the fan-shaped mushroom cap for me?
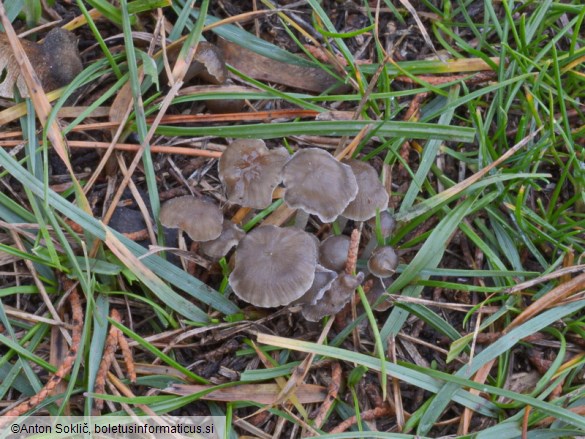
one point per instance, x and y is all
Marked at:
(208, 64)
(334, 299)
(333, 252)
(274, 266)
(317, 183)
(383, 262)
(371, 193)
(387, 223)
(219, 247)
(321, 283)
(201, 219)
(250, 171)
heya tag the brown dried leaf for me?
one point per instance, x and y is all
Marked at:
(56, 62)
(266, 69)
(40, 100)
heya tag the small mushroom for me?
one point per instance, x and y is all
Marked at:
(371, 193)
(383, 262)
(318, 184)
(387, 223)
(201, 219)
(219, 247)
(334, 298)
(222, 106)
(274, 266)
(250, 171)
(377, 290)
(333, 252)
(321, 283)
(208, 63)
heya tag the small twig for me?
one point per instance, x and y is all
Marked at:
(398, 406)
(108, 357)
(139, 235)
(368, 415)
(350, 267)
(127, 354)
(332, 392)
(352, 253)
(437, 80)
(129, 147)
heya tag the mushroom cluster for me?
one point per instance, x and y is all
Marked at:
(275, 266)
(318, 184)
(250, 172)
(314, 181)
(203, 221)
(382, 262)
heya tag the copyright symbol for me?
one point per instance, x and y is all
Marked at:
(15, 428)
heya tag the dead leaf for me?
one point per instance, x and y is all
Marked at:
(56, 62)
(266, 69)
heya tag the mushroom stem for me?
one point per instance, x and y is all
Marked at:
(182, 245)
(341, 222)
(301, 219)
(370, 246)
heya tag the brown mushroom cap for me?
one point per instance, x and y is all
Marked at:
(319, 184)
(378, 289)
(333, 252)
(387, 223)
(334, 299)
(219, 247)
(250, 171)
(383, 262)
(208, 64)
(321, 283)
(371, 193)
(274, 266)
(201, 219)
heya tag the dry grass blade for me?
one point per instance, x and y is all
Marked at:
(18, 110)
(459, 187)
(129, 147)
(545, 278)
(259, 393)
(480, 377)
(10, 68)
(286, 392)
(37, 95)
(157, 286)
(420, 25)
(549, 300)
(31, 267)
